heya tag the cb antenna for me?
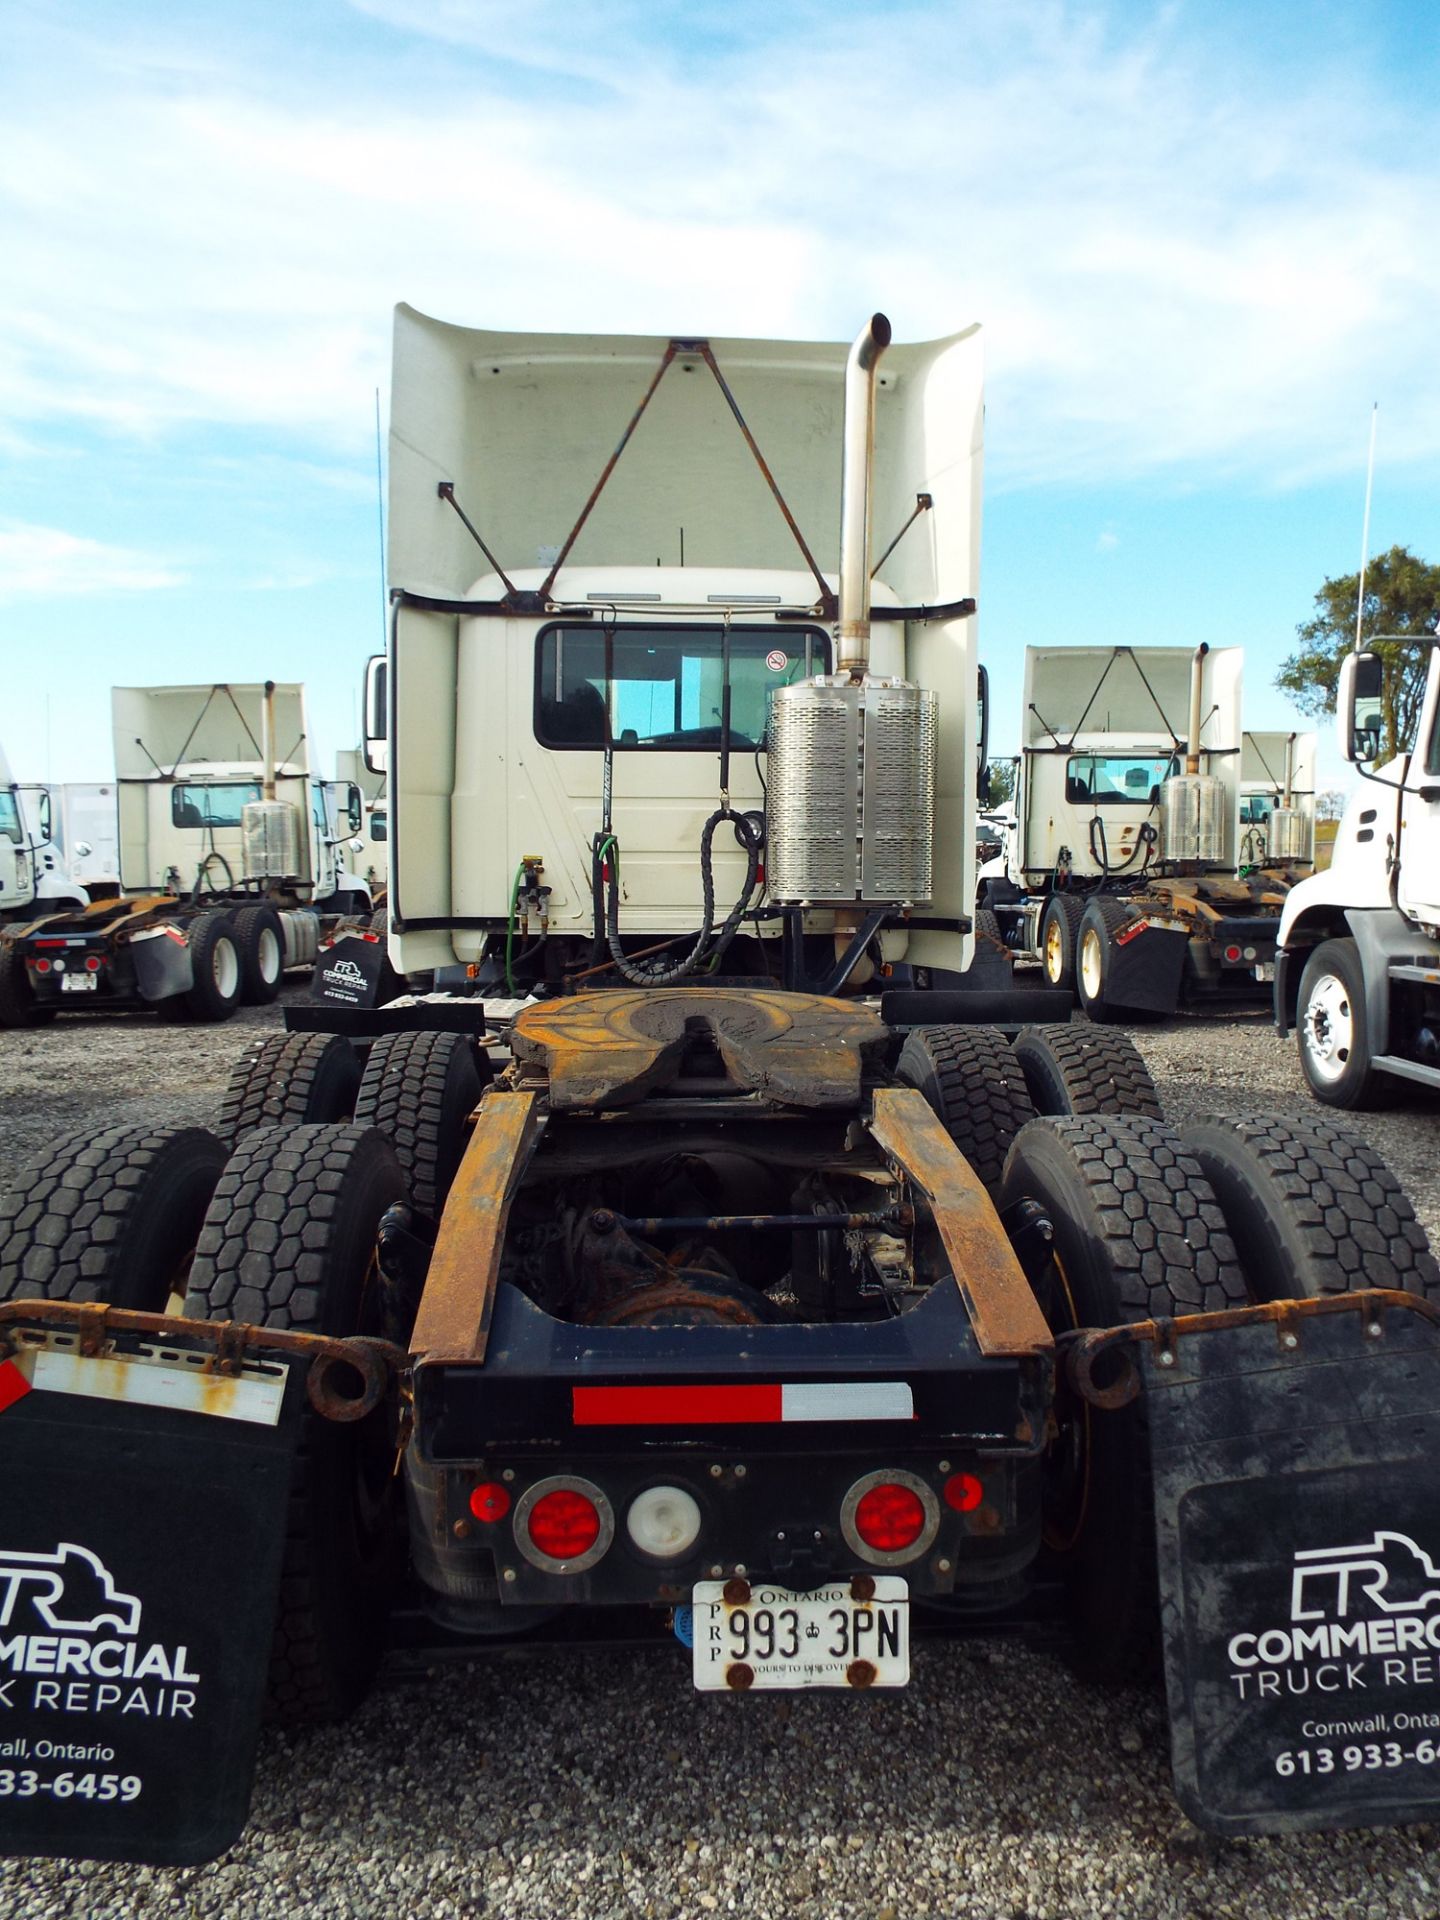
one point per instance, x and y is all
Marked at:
(1365, 524)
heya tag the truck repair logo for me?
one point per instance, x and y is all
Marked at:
(70, 1642)
(1390, 1571)
(70, 1590)
(1371, 1610)
(344, 973)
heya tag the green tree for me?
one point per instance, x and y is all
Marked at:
(1002, 782)
(1402, 596)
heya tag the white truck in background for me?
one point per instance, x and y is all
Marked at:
(232, 859)
(87, 834)
(1358, 967)
(370, 846)
(1131, 872)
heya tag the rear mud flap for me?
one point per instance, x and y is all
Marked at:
(1298, 1515)
(140, 1555)
(1145, 966)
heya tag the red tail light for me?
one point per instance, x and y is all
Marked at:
(490, 1501)
(42, 965)
(890, 1517)
(963, 1492)
(564, 1524)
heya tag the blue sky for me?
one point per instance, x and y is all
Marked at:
(1202, 239)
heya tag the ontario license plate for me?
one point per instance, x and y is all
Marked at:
(77, 983)
(827, 1638)
(1265, 970)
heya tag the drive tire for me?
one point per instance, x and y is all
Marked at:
(1086, 1069)
(260, 940)
(975, 1086)
(215, 957)
(290, 1078)
(419, 1089)
(1059, 938)
(18, 1005)
(1332, 1030)
(112, 1216)
(1312, 1208)
(1137, 1234)
(1099, 922)
(290, 1242)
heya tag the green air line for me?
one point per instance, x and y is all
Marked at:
(510, 931)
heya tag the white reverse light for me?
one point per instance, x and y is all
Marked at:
(664, 1522)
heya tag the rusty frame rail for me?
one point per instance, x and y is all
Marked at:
(96, 1325)
(1004, 1313)
(1082, 1350)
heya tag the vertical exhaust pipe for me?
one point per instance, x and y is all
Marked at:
(1288, 797)
(856, 486)
(267, 741)
(1192, 738)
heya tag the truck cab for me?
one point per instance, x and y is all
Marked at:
(1359, 955)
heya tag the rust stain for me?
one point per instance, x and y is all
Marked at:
(611, 1049)
(459, 1296)
(1004, 1313)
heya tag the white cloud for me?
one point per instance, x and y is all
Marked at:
(47, 560)
(1107, 541)
(1177, 260)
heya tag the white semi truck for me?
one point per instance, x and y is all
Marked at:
(232, 858)
(87, 833)
(33, 881)
(1154, 842)
(1358, 971)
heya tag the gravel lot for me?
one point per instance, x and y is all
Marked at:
(599, 1784)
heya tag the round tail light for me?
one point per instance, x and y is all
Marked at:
(664, 1522)
(92, 963)
(489, 1501)
(889, 1518)
(964, 1492)
(563, 1525)
(1232, 954)
(42, 965)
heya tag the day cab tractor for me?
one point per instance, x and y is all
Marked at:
(232, 861)
(1359, 969)
(1154, 843)
(694, 1279)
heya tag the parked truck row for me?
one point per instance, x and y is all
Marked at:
(233, 858)
(705, 1263)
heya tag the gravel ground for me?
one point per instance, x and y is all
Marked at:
(598, 1783)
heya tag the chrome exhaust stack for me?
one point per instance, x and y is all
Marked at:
(856, 489)
(1192, 737)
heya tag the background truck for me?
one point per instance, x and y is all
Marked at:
(1358, 974)
(33, 880)
(232, 857)
(705, 1283)
(369, 848)
(1129, 874)
(87, 833)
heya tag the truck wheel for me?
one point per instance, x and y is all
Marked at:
(1312, 1208)
(1099, 922)
(289, 1242)
(971, 1078)
(380, 921)
(215, 956)
(419, 1089)
(1333, 1031)
(1086, 1070)
(299, 1078)
(1059, 935)
(1137, 1233)
(260, 940)
(110, 1216)
(18, 1005)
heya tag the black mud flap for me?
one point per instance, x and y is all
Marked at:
(1145, 966)
(140, 1552)
(1298, 1513)
(350, 972)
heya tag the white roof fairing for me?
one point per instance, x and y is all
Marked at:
(523, 425)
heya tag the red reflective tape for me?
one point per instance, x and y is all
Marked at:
(13, 1385)
(1131, 932)
(675, 1406)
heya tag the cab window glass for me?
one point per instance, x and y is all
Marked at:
(220, 805)
(10, 818)
(379, 827)
(658, 687)
(1117, 779)
(1255, 808)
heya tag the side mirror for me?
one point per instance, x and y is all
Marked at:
(1360, 706)
(45, 819)
(377, 714)
(354, 807)
(982, 748)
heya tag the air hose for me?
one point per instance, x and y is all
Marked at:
(705, 951)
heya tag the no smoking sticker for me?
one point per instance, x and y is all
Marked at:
(776, 660)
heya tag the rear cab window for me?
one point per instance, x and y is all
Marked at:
(658, 688)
